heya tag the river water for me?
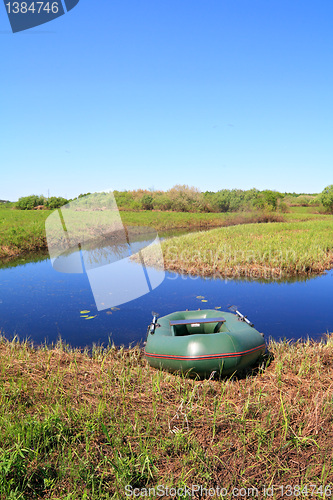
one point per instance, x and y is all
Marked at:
(41, 304)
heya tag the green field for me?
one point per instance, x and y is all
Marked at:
(80, 427)
(300, 215)
(254, 250)
(21, 231)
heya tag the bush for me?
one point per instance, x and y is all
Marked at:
(56, 202)
(268, 200)
(124, 199)
(29, 202)
(234, 200)
(283, 207)
(147, 202)
(186, 199)
(225, 201)
(326, 198)
(161, 201)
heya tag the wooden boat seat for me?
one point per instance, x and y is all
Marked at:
(191, 326)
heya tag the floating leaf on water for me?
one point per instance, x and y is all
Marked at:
(91, 317)
(84, 312)
(204, 301)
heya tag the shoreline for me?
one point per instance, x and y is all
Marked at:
(251, 273)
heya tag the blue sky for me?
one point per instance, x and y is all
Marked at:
(128, 94)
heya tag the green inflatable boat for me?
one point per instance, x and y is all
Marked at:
(201, 342)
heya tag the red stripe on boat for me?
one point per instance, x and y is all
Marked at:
(203, 356)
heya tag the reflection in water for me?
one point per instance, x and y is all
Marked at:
(113, 277)
(22, 260)
(40, 303)
(260, 279)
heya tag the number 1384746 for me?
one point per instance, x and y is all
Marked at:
(32, 7)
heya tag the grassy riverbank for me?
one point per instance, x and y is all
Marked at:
(248, 249)
(24, 231)
(254, 250)
(21, 231)
(79, 427)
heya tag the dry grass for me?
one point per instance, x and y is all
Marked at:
(79, 426)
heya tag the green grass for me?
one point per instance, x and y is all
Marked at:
(254, 250)
(299, 215)
(21, 231)
(305, 210)
(171, 220)
(80, 427)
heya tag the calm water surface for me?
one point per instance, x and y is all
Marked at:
(41, 304)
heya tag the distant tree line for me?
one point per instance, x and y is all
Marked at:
(189, 199)
(182, 198)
